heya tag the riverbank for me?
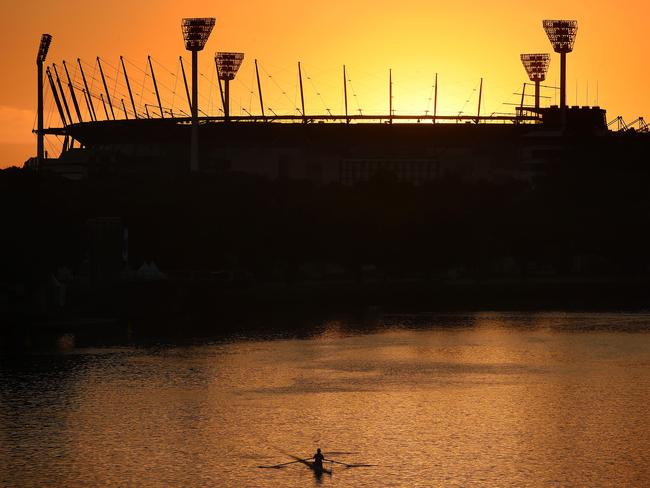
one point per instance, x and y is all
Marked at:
(240, 303)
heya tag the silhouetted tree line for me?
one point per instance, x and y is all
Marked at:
(587, 203)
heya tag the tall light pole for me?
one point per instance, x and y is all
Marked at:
(562, 34)
(536, 66)
(227, 66)
(196, 32)
(46, 39)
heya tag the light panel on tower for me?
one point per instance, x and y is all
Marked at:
(562, 34)
(46, 39)
(536, 65)
(228, 64)
(196, 32)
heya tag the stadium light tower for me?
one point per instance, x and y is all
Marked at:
(196, 32)
(562, 34)
(227, 66)
(43, 48)
(536, 66)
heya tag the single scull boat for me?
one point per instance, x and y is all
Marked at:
(318, 469)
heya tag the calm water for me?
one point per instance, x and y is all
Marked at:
(477, 400)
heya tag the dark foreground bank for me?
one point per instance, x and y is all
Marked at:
(142, 247)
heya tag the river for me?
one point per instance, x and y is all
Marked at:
(482, 399)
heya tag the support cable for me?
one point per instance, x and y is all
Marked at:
(280, 88)
(162, 84)
(318, 93)
(140, 87)
(211, 97)
(469, 98)
(75, 85)
(430, 99)
(354, 93)
(250, 100)
(174, 90)
(50, 113)
(116, 94)
(165, 86)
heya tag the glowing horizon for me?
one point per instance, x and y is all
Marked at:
(415, 40)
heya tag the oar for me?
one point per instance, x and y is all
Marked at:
(278, 466)
(352, 465)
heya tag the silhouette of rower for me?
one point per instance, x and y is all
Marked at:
(318, 460)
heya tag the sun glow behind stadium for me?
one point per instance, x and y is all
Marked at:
(417, 39)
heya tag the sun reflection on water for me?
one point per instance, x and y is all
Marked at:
(485, 400)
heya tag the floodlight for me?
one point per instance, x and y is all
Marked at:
(46, 39)
(561, 33)
(43, 47)
(228, 64)
(536, 65)
(196, 32)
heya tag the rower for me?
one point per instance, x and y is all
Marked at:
(318, 459)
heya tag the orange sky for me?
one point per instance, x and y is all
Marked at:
(462, 41)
